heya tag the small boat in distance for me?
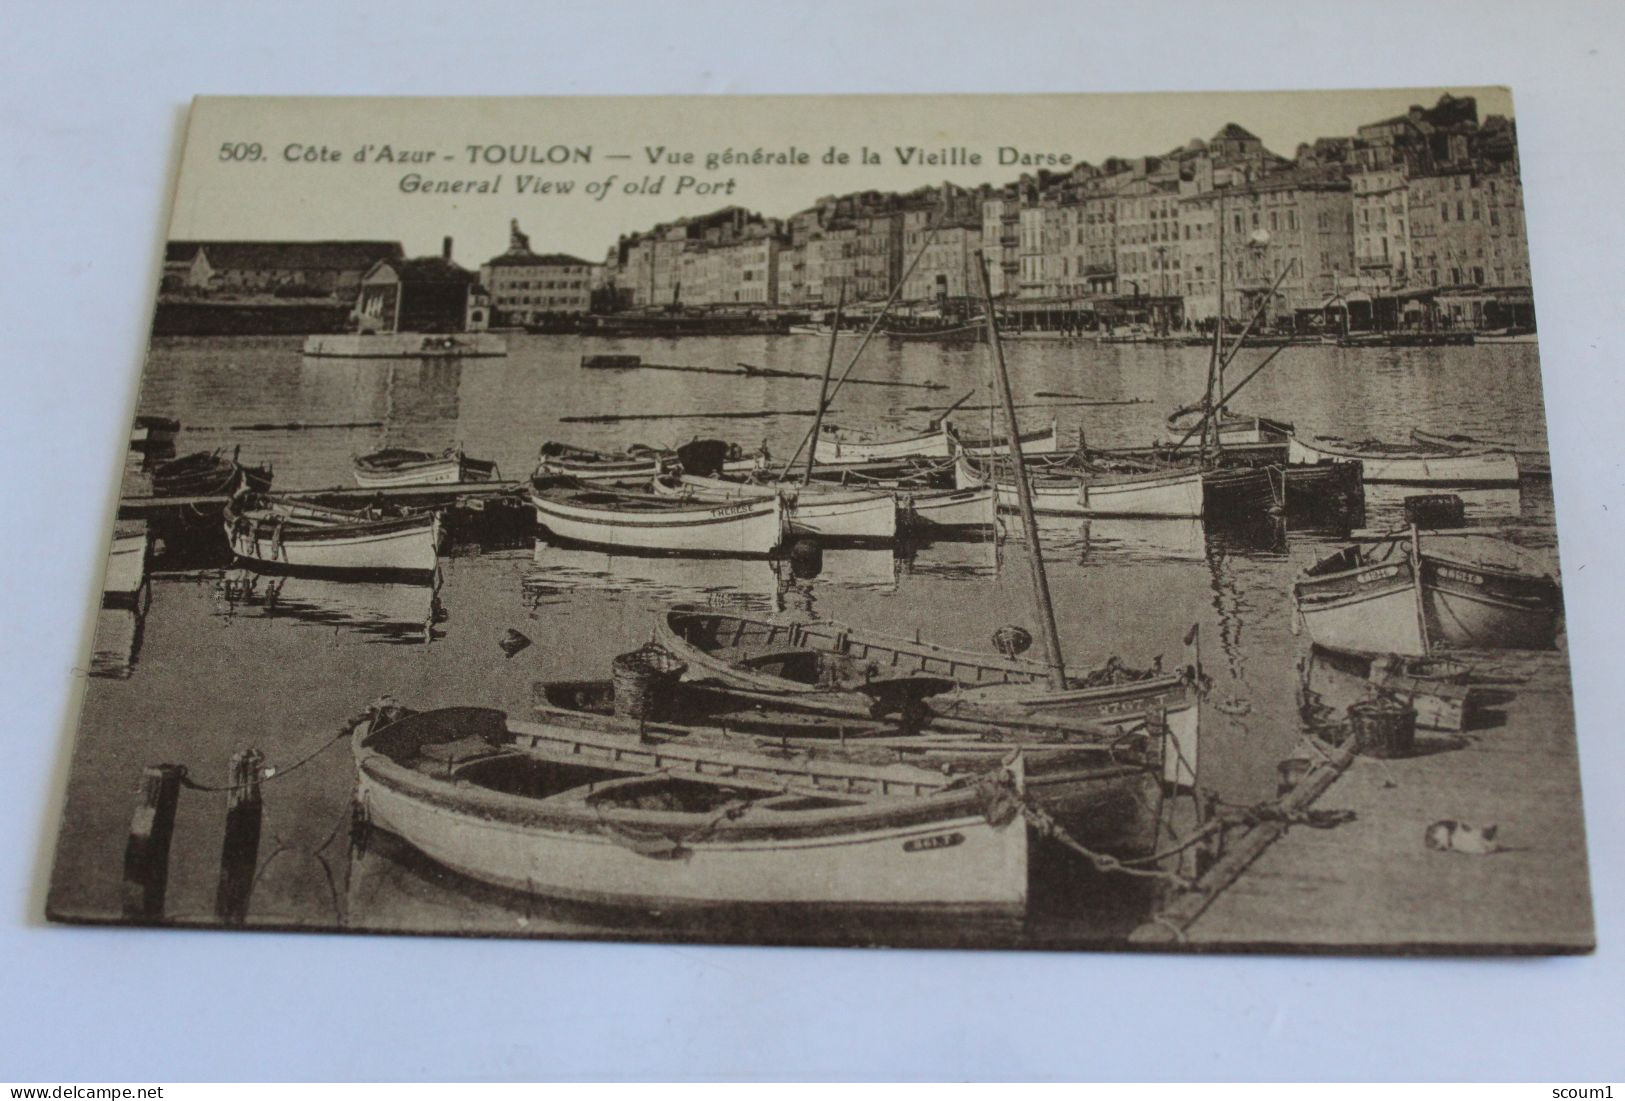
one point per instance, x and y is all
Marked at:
(208, 474)
(284, 534)
(564, 811)
(1412, 464)
(399, 466)
(813, 509)
(1406, 594)
(1529, 462)
(838, 446)
(645, 522)
(634, 466)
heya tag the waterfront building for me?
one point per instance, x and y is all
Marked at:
(317, 268)
(1469, 245)
(525, 286)
(429, 294)
(1297, 221)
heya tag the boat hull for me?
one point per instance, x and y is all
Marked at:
(409, 546)
(444, 470)
(833, 448)
(1489, 468)
(739, 529)
(950, 509)
(1373, 608)
(1172, 494)
(1469, 606)
(936, 852)
(857, 515)
(626, 472)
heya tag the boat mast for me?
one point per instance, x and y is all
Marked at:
(823, 389)
(1046, 610)
(1216, 371)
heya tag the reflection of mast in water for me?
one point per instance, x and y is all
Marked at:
(388, 611)
(719, 582)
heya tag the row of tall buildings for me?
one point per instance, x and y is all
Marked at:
(1409, 210)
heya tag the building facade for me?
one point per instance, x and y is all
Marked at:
(525, 286)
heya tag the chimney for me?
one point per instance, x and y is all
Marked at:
(445, 248)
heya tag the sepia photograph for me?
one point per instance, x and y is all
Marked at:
(1115, 522)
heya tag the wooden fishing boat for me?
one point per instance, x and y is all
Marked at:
(399, 466)
(646, 522)
(208, 474)
(834, 669)
(1181, 491)
(1098, 788)
(836, 446)
(1043, 441)
(1408, 594)
(1413, 465)
(1439, 690)
(969, 509)
(1235, 429)
(1529, 462)
(565, 812)
(813, 509)
(126, 564)
(284, 534)
(633, 467)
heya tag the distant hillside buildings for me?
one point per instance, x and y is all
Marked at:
(1417, 214)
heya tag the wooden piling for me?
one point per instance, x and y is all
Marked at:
(146, 853)
(239, 851)
(1170, 923)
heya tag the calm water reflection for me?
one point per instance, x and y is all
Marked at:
(229, 658)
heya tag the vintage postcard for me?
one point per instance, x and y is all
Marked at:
(1044, 522)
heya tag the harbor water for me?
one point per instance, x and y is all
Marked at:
(219, 659)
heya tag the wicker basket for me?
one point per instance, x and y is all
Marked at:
(1382, 727)
(645, 680)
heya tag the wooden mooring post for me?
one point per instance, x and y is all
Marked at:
(239, 851)
(1170, 923)
(146, 852)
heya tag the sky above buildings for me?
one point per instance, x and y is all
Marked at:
(578, 173)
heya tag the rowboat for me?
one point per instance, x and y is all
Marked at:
(1235, 429)
(637, 465)
(126, 566)
(813, 509)
(1529, 462)
(841, 446)
(1412, 464)
(1043, 441)
(567, 812)
(399, 466)
(836, 445)
(1406, 595)
(834, 669)
(284, 534)
(1092, 786)
(207, 474)
(646, 522)
(1184, 491)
